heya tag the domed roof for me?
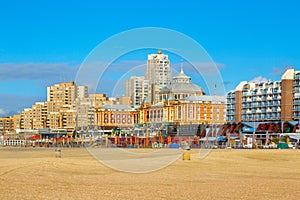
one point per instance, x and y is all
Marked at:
(186, 87)
(182, 78)
(182, 84)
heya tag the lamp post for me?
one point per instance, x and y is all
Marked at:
(253, 136)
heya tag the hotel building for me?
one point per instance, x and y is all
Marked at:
(184, 107)
(266, 101)
(158, 73)
(193, 110)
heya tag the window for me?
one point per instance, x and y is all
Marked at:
(191, 112)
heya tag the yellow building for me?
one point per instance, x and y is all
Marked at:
(39, 115)
(122, 116)
(54, 120)
(97, 100)
(17, 121)
(27, 119)
(192, 110)
(201, 109)
(65, 93)
(62, 93)
(65, 118)
(6, 124)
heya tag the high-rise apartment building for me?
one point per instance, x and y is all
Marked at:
(82, 92)
(6, 124)
(85, 114)
(158, 73)
(59, 111)
(39, 115)
(66, 93)
(266, 101)
(17, 122)
(136, 88)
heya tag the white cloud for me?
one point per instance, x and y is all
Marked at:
(35, 71)
(259, 79)
(16, 103)
(2, 112)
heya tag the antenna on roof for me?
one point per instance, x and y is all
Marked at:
(215, 90)
(181, 68)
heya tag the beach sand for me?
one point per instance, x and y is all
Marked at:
(35, 173)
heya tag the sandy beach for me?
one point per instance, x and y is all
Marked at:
(35, 173)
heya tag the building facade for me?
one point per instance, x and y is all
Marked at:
(111, 116)
(137, 88)
(6, 124)
(192, 110)
(266, 101)
(66, 93)
(158, 73)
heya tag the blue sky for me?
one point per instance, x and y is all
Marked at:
(44, 42)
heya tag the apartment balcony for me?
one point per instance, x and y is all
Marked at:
(297, 95)
(296, 108)
(296, 89)
(231, 107)
(270, 91)
(258, 111)
(279, 91)
(269, 98)
(259, 92)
